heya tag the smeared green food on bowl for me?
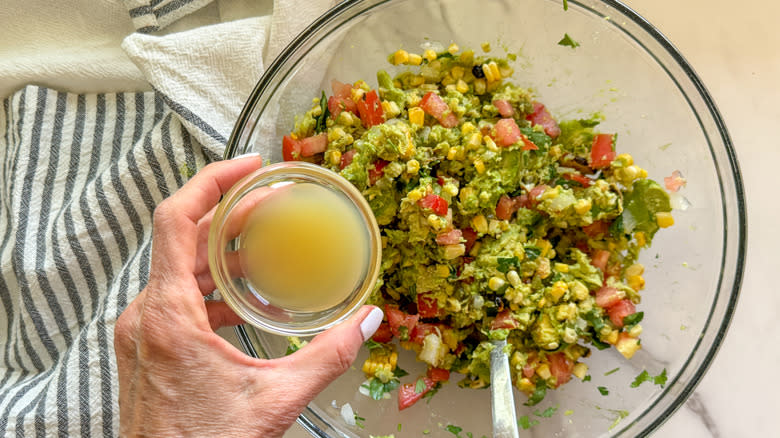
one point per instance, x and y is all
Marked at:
(498, 221)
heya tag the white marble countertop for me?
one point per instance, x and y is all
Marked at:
(735, 48)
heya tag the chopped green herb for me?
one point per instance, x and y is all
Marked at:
(644, 376)
(377, 389)
(532, 252)
(455, 430)
(547, 413)
(538, 394)
(586, 378)
(359, 421)
(660, 379)
(399, 372)
(526, 423)
(506, 263)
(429, 395)
(323, 117)
(568, 41)
(613, 371)
(565, 5)
(469, 434)
(419, 386)
(399, 427)
(603, 390)
(620, 415)
(372, 344)
(426, 432)
(633, 319)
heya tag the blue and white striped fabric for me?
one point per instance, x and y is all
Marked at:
(153, 15)
(80, 178)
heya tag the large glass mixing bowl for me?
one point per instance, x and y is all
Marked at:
(664, 117)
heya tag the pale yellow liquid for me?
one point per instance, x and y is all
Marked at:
(304, 248)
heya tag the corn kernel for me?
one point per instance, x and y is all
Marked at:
(451, 88)
(485, 47)
(558, 289)
(480, 86)
(641, 239)
(582, 206)
(543, 371)
(333, 157)
(447, 80)
(335, 133)
(580, 370)
(490, 144)
(642, 173)
(626, 159)
(450, 189)
(506, 71)
(635, 269)
(414, 59)
(436, 222)
(612, 337)
(496, 283)
(457, 72)
(400, 56)
(452, 153)
(357, 94)
(550, 193)
(627, 346)
(578, 290)
(453, 49)
(479, 223)
(467, 128)
(415, 195)
(562, 267)
(514, 278)
(636, 282)
(488, 73)
(390, 109)
(635, 331)
(293, 136)
(442, 271)
(416, 116)
(543, 270)
(412, 167)
(664, 219)
(417, 80)
(526, 385)
(429, 55)
(475, 140)
(479, 166)
(454, 251)
(461, 86)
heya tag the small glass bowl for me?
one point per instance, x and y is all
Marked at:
(225, 234)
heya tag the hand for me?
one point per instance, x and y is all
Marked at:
(176, 376)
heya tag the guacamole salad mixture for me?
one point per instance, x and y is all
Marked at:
(498, 222)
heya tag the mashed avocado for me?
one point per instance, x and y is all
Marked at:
(498, 221)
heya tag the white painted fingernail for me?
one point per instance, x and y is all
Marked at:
(371, 323)
(246, 155)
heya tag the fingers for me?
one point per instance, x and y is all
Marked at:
(221, 315)
(176, 218)
(331, 353)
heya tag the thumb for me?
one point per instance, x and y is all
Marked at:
(332, 352)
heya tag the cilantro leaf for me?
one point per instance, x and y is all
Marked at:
(532, 252)
(586, 378)
(603, 390)
(568, 41)
(633, 319)
(526, 423)
(643, 377)
(323, 117)
(377, 388)
(455, 430)
(660, 379)
(547, 413)
(506, 263)
(538, 394)
(419, 386)
(372, 344)
(400, 372)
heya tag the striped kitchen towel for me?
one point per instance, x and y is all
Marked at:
(80, 177)
(153, 15)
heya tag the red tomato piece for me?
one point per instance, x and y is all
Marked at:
(607, 297)
(584, 182)
(346, 158)
(383, 333)
(540, 116)
(341, 99)
(506, 132)
(528, 145)
(397, 319)
(423, 329)
(377, 171)
(529, 369)
(507, 206)
(427, 306)
(435, 203)
(504, 320)
(620, 310)
(602, 152)
(599, 259)
(436, 107)
(534, 194)
(597, 228)
(451, 237)
(471, 238)
(313, 145)
(560, 367)
(674, 181)
(504, 107)
(291, 148)
(370, 110)
(407, 394)
(438, 374)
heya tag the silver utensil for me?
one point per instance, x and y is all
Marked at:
(502, 400)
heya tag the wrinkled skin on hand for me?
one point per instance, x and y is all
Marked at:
(179, 378)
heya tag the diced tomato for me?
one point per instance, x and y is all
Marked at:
(316, 144)
(576, 177)
(346, 158)
(370, 110)
(602, 153)
(596, 229)
(506, 207)
(397, 319)
(529, 369)
(599, 259)
(541, 116)
(674, 181)
(560, 367)
(451, 237)
(427, 306)
(620, 310)
(383, 333)
(607, 297)
(438, 374)
(471, 238)
(535, 193)
(291, 148)
(376, 171)
(528, 145)
(504, 107)
(504, 320)
(435, 106)
(423, 329)
(407, 394)
(435, 203)
(506, 132)
(341, 99)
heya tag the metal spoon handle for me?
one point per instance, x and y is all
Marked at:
(502, 400)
